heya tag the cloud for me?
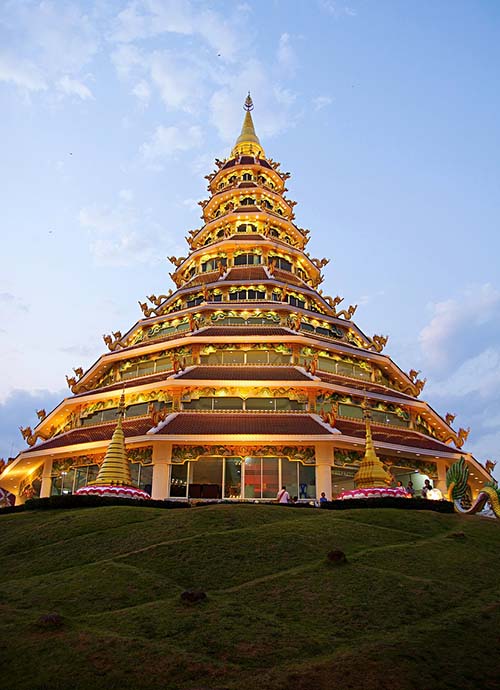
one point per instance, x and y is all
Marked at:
(121, 236)
(286, 54)
(22, 73)
(142, 91)
(460, 348)
(321, 102)
(166, 142)
(460, 326)
(73, 87)
(10, 300)
(336, 9)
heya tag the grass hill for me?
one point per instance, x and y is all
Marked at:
(416, 606)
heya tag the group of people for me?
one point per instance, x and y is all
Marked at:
(427, 491)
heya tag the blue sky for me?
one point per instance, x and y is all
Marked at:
(386, 114)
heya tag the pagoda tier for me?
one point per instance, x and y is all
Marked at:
(246, 376)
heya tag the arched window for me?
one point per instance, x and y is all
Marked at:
(247, 177)
(281, 263)
(247, 201)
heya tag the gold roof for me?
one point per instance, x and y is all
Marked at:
(371, 472)
(248, 142)
(115, 468)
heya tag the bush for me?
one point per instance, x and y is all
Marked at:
(72, 501)
(390, 502)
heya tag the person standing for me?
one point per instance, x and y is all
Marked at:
(426, 487)
(410, 490)
(283, 496)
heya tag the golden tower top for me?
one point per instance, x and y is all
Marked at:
(115, 468)
(248, 142)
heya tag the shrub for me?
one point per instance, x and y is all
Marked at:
(72, 501)
(390, 502)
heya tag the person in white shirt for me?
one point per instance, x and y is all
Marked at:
(283, 496)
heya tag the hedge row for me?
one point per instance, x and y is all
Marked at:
(390, 502)
(72, 501)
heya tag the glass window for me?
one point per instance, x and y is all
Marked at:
(206, 478)
(227, 403)
(178, 481)
(270, 477)
(289, 476)
(307, 481)
(200, 404)
(253, 479)
(257, 357)
(232, 483)
(163, 364)
(260, 404)
(233, 357)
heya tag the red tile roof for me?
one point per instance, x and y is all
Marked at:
(402, 437)
(247, 273)
(242, 373)
(139, 381)
(361, 384)
(102, 432)
(287, 277)
(243, 423)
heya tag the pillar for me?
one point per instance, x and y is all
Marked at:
(162, 454)
(440, 483)
(46, 487)
(324, 459)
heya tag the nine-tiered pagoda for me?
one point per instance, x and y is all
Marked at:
(244, 378)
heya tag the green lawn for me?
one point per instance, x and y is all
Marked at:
(414, 607)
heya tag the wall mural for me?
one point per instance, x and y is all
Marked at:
(304, 454)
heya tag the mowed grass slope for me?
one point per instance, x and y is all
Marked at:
(416, 606)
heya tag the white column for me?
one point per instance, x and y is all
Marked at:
(324, 460)
(162, 454)
(440, 483)
(46, 488)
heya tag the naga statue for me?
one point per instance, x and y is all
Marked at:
(31, 438)
(41, 414)
(113, 344)
(295, 320)
(320, 263)
(312, 366)
(157, 416)
(457, 478)
(378, 342)
(71, 381)
(158, 300)
(462, 436)
(489, 466)
(176, 261)
(347, 314)
(147, 311)
(178, 364)
(79, 372)
(450, 418)
(412, 374)
(419, 385)
(329, 418)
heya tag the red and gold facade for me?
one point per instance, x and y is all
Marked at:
(246, 376)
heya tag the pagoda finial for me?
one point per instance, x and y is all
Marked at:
(371, 472)
(115, 468)
(247, 144)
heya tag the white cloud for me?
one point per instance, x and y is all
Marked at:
(286, 54)
(142, 91)
(22, 73)
(120, 236)
(459, 325)
(126, 195)
(336, 9)
(127, 60)
(168, 141)
(321, 102)
(178, 80)
(73, 87)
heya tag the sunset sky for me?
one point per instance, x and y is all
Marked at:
(386, 113)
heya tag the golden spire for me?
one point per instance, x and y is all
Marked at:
(371, 471)
(248, 142)
(115, 468)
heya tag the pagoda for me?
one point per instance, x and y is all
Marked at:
(245, 377)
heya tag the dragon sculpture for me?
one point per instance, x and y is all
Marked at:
(31, 438)
(457, 477)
